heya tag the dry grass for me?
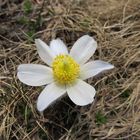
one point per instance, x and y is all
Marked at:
(115, 114)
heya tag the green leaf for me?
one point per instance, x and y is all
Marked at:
(100, 118)
(27, 6)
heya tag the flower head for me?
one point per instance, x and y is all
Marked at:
(65, 71)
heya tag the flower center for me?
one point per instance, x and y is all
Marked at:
(65, 69)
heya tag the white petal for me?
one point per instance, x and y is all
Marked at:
(34, 74)
(83, 49)
(93, 68)
(49, 95)
(81, 93)
(58, 47)
(44, 51)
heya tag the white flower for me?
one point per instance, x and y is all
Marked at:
(65, 73)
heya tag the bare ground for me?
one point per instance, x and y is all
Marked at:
(115, 114)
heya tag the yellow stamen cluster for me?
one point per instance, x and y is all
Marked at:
(65, 69)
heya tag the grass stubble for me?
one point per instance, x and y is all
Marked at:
(115, 113)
